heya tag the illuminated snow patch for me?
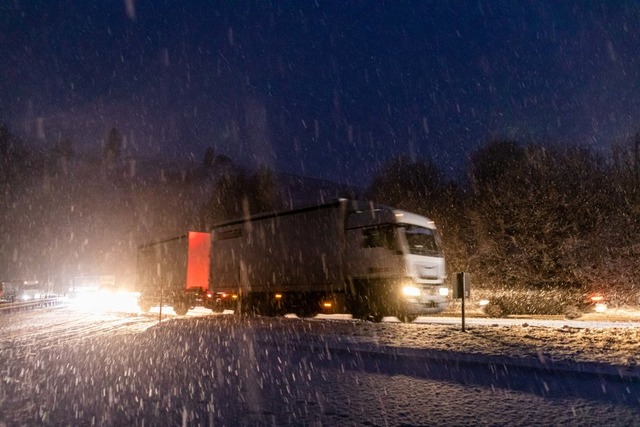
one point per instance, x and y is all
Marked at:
(104, 301)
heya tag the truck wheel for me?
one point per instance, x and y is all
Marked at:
(306, 306)
(180, 308)
(366, 313)
(374, 314)
(307, 310)
(376, 317)
(145, 306)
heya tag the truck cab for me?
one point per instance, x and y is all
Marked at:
(395, 259)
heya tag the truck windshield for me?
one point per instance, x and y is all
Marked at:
(422, 240)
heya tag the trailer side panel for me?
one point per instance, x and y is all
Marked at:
(162, 265)
(286, 252)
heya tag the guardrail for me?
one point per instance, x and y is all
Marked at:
(26, 305)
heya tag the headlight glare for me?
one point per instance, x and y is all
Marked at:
(411, 291)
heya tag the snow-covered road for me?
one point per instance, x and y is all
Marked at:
(64, 366)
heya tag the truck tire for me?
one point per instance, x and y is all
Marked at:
(307, 310)
(306, 305)
(357, 308)
(362, 302)
(144, 305)
(181, 308)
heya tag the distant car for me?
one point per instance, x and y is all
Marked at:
(9, 291)
(31, 292)
(546, 301)
(23, 290)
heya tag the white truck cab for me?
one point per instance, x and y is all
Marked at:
(424, 262)
(395, 257)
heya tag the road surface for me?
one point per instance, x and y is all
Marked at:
(68, 366)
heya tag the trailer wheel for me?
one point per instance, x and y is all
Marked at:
(181, 308)
(307, 310)
(216, 310)
(144, 305)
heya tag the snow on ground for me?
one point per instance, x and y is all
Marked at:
(566, 342)
(65, 367)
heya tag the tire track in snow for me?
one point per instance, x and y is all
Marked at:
(61, 325)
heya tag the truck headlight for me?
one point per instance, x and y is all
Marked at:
(444, 292)
(411, 291)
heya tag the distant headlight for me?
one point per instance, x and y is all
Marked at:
(411, 291)
(483, 302)
(444, 292)
(37, 296)
(26, 297)
(601, 307)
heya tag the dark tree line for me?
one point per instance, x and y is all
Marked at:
(527, 216)
(530, 215)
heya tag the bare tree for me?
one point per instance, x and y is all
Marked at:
(406, 184)
(539, 213)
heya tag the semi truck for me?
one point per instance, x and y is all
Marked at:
(174, 271)
(349, 256)
(367, 259)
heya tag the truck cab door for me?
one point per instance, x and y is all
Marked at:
(374, 253)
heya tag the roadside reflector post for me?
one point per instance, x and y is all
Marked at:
(462, 289)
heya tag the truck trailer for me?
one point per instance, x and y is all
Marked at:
(346, 256)
(174, 272)
(367, 259)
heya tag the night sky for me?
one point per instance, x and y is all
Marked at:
(327, 89)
